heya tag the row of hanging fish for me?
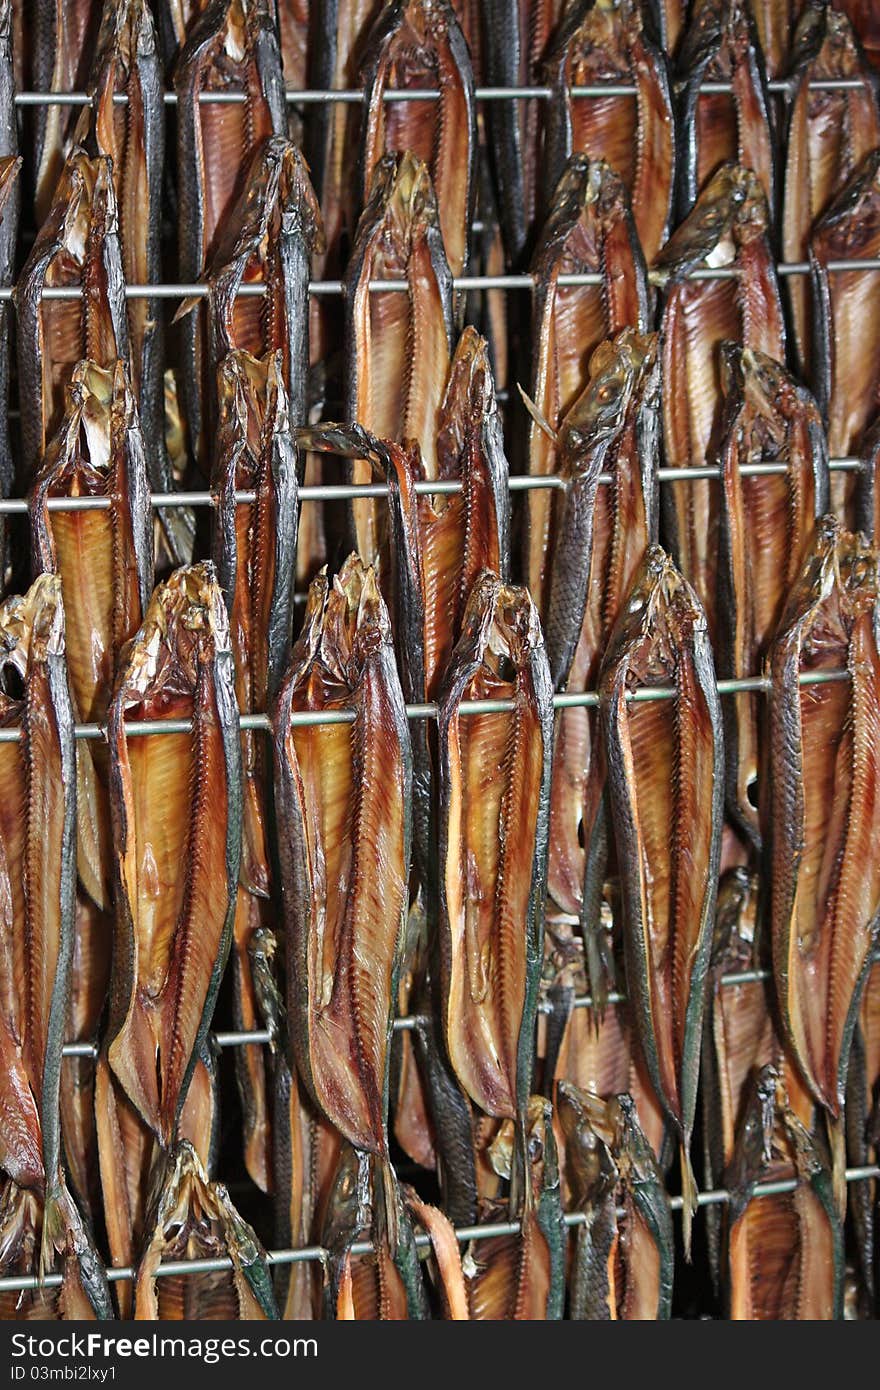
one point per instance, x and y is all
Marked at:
(483, 873)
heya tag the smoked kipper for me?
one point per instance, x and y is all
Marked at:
(77, 247)
(176, 806)
(599, 44)
(845, 371)
(665, 766)
(419, 44)
(231, 48)
(767, 523)
(830, 132)
(824, 806)
(721, 46)
(41, 1229)
(727, 230)
(590, 230)
(599, 534)
(344, 792)
(493, 845)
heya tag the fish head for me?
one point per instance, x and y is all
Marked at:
(736, 914)
(469, 399)
(400, 209)
(186, 624)
(588, 1125)
(31, 630)
(252, 401)
(622, 372)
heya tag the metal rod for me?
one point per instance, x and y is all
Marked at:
(200, 290)
(336, 492)
(308, 718)
(258, 1037)
(465, 1234)
(324, 96)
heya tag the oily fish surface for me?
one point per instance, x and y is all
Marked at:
(495, 772)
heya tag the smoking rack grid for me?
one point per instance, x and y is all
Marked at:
(335, 492)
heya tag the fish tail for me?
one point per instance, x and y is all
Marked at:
(688, 1199)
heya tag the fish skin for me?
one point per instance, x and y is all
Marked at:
(128, 1155)
(10, 210)
(437, 546)
(668, 870)
(99, 450)
(739, 1033)
(867, 496)
(609, 1164)
(488, 1004)
(777, 22)
(522, 1277)
(721, 44)
(270, 235)
(829, 134)
(671, 16)
(166, 977)
(295, 22)
(386, 1285)
(864, 19)
(846, 329)
(336, 822)
(89, 981)
(825, 894)
(228, 48)
(397, 347)
(518, 32)
(596, 44)
(10, 169)
(437, 1226)
(727, 227)
(78, 244)
(415, 44)
(402, 582)
(600, 534)
(193, 1218)
(305, 1158)
(590, 228)
(771, 1144)
(63, 36)
(863, 1135)
(254, 550)
(452, 1124)
(36, 932)
(83, 1294)
(766, 526)
(38, 848)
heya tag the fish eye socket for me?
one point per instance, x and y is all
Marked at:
(11, 681)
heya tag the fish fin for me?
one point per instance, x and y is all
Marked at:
(186, 306)
(688, 1200)
(539, 418)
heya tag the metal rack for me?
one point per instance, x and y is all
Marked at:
(511, 282)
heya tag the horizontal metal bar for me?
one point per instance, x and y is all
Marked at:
(308, 718)
(258, 1037)
(335, 492)
(465, 1234)
(247, 289)
(314, 96)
